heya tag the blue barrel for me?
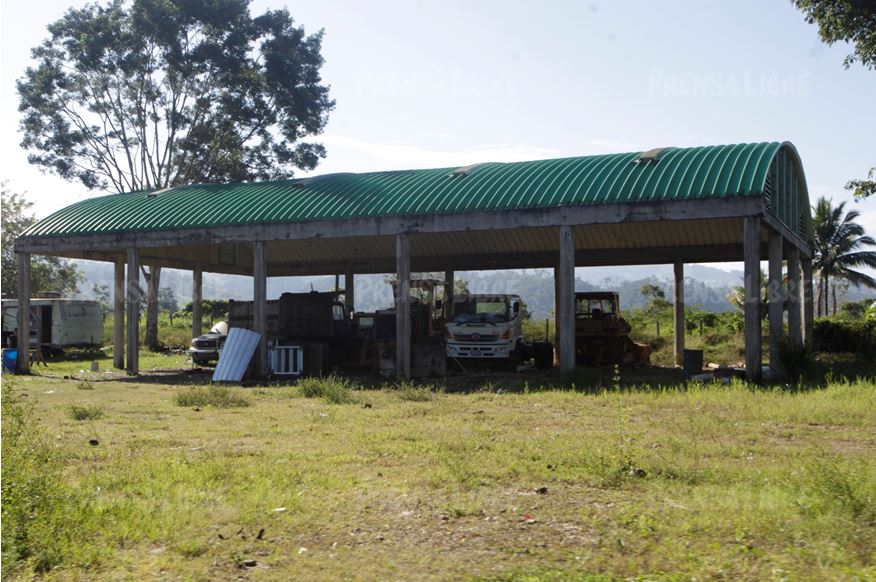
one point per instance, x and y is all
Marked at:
(693, 363)
(10, 359)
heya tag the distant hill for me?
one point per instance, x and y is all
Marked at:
(706, 287)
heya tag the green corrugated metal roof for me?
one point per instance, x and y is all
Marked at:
(679, 174)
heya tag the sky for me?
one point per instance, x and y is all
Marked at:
(432, 84)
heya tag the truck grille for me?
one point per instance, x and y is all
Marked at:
(475, 337)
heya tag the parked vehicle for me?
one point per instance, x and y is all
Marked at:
(205, 348)
(490, 327)
(601, 334)
(58, 323)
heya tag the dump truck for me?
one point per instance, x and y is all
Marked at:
(602, 336)
(490, 327)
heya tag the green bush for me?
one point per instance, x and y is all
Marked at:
(216, 396)
(796, 361)
(410, 392)
(333, 389)
(90, 412)
(842, 335)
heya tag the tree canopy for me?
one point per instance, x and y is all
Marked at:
(47, 273)
(852, 21)
(157, 93)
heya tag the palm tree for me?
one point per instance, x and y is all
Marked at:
(839, 249)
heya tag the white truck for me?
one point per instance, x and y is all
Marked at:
(490, 327)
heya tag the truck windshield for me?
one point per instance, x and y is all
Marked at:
(483, 310)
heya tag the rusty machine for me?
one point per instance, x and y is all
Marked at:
(602, 335)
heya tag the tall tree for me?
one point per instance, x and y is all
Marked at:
(840, 249)
(46, 273)
(852, 21)
(157, 93)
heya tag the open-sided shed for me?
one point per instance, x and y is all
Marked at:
(743, 202)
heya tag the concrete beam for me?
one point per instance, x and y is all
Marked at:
(23, 362)
(133, 295)
(789, 235)
(449, 292)
(260, 307)
(794, 293)
(350, 291)
(403, 307)
(808, 307)
(119, 315)
(735, 207)
(197, 301)
(566, 300)
(753, 354)
(678, 313)
(775, 301)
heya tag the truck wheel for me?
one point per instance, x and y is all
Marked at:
(544, 355)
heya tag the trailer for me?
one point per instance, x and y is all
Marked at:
(58, 323)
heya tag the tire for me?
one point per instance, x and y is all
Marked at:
(544, 355)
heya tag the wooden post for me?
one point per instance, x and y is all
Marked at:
(566, 308)
(197, 299)
(260, 306)
(795, 298)
(775, 302)
(350, 292)
(808, 308)
(132, 295)
(23, 363)
(119, 314)
(403, 306)
(679, 313)
(449, 291)
(751, 251)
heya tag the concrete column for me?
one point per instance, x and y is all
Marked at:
(751, 251)
(403, 306)
(23, 363)
(133, 295)
(679, 312)
(566, 301)
(350, 292)
(775, 301)
(449, 291)
(808, 307)
(260, 306)
(794, 293)
(119, 314)
(197, 298)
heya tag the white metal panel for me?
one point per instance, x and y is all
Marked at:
(236, 355)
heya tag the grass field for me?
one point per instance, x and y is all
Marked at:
(107, 478)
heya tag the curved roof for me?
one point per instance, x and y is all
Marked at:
(657, 175)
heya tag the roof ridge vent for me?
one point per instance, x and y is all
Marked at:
(651, 156)
(309, 180)
(464, 171)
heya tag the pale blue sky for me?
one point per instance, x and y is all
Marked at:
(422, 84)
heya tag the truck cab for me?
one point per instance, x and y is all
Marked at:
(484, 326)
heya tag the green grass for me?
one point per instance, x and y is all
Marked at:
(215, 396)
(333, 389)
(714, 481)
(87, 412)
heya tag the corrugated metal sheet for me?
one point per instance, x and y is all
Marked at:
(235, 355)
(680, 174)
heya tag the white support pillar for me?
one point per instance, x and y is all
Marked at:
(133, 295)
(403, 306)
(260, 307)
(751, 251)
(794, 293)
(808, 307)
(350, 292)
(566, 299)
(23, 363)
(197, 299)
(119, 314)
(775, 301)
(679, 312)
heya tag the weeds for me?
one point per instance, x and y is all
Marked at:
(410, 392)
(796, 361)
(87, 412)
(84, 385)
(332, 389)
(216, 396)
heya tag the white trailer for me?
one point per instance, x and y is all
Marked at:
(58, 323)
